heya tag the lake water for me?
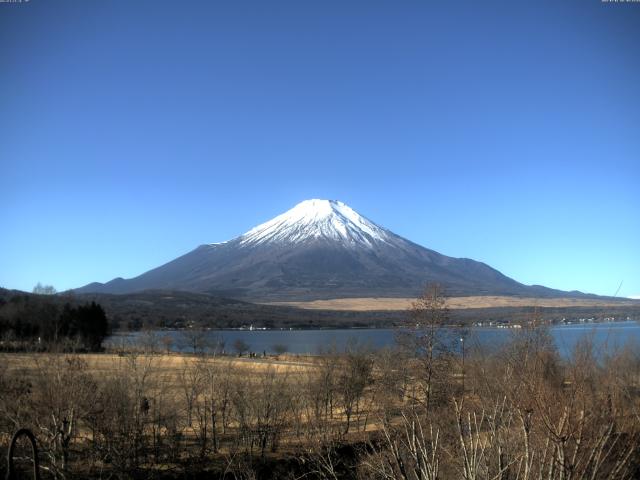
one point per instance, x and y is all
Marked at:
(606, 336)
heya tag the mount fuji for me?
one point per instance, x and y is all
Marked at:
(320, 249)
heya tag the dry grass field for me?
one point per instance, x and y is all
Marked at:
(342, 416)
(166, 366)
(455, 303)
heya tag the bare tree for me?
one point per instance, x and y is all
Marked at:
(194, 339)
(427, 340)
(148, 341)
(321, 386)
(408, 449)
(240, 346)
(354, 376)
(216, 343)
(40, 289)
(65, 392)
(279, 348)
(168, 342)
(190, 381)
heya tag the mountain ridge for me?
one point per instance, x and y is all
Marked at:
(320, 249)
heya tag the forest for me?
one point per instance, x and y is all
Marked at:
(40, 322)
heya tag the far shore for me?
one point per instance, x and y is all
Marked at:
(488, 325)
(454, 303)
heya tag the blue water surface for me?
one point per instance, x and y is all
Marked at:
(607, 338)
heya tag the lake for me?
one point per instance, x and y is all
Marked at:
(607, 337)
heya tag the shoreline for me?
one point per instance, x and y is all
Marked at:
(506, 326)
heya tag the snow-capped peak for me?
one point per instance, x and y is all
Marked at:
(317, 220)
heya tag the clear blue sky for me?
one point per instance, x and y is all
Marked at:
(507, 132)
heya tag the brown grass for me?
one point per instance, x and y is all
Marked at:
(373, 304)
(166, 365)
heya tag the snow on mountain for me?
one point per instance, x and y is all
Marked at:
(319, 249)
(314, 220)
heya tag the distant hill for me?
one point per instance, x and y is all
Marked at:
(321, 249)
(177, 309)
(166, 309)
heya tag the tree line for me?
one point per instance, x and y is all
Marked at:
(30, 322)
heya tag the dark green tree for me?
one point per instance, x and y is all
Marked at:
(88, 322)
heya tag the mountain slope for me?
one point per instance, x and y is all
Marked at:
(320, 249)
